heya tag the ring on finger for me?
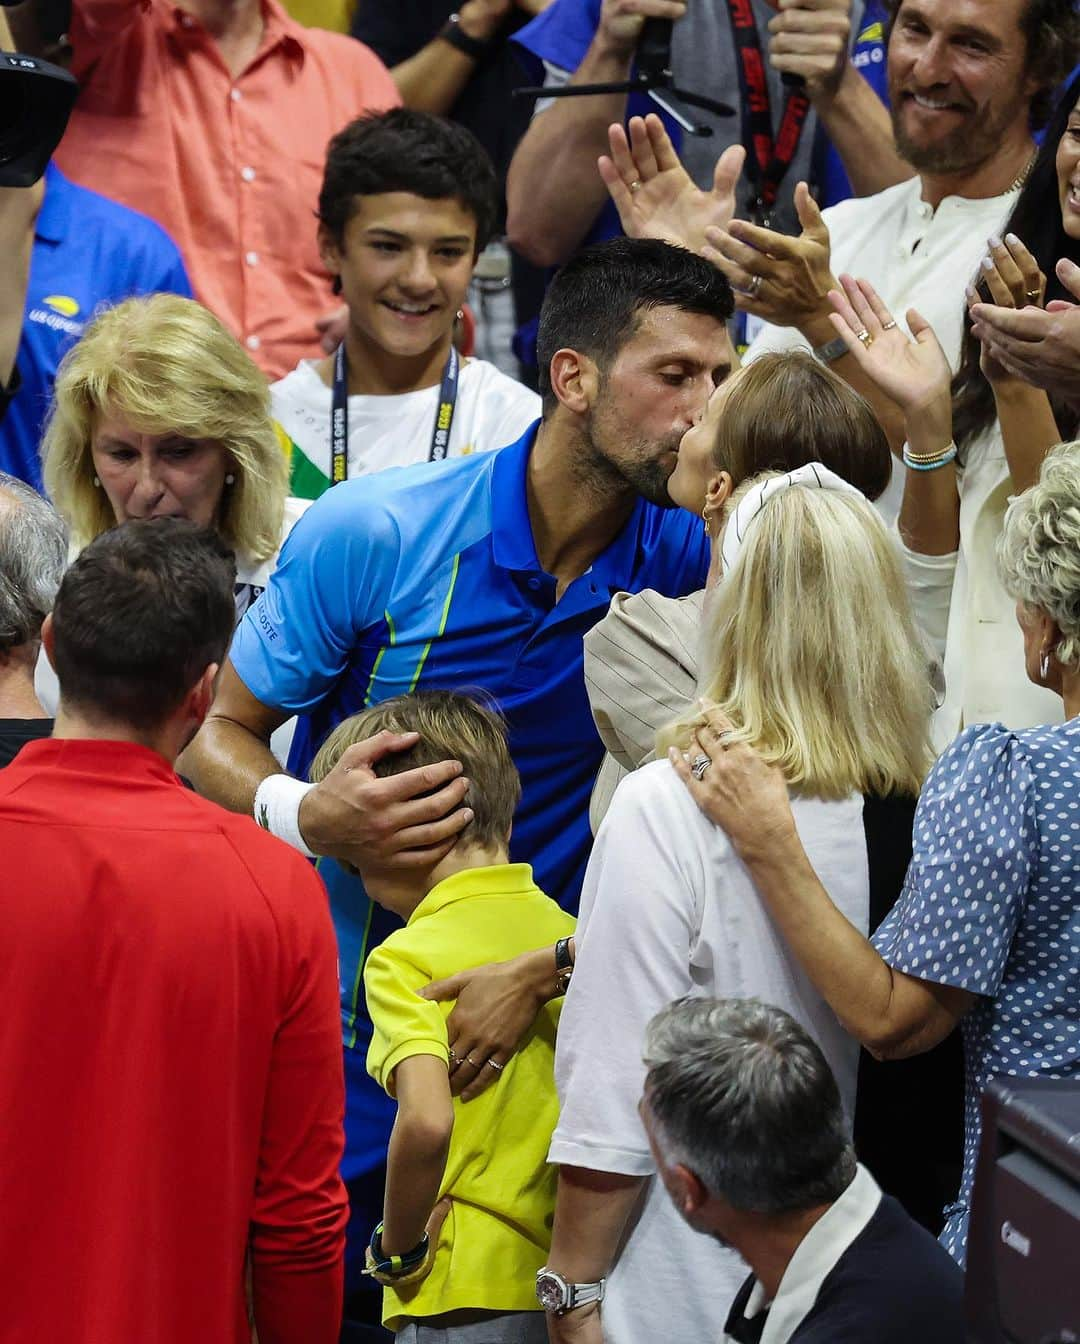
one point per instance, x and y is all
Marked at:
(492, 1064)
(453, 1057)
(888, 326)
(1032, 294)
(469, 1060)
(865, 337)
(636, 184)
(699, 765)
(725, 735)
(753, 289)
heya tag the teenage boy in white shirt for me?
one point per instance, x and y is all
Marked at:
(408, 201)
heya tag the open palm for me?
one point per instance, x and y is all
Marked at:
(654, 194)
(913, 373)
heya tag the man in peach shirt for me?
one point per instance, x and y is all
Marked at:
(212, 116)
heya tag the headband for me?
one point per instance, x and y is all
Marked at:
(813, 475)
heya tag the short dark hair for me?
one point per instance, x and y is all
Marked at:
(141, 613)
(742, 1096)
(1051, 30)
(452, 726)
(403, 150)
(593, 303)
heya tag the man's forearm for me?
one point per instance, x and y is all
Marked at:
(860, 128)
(227, 762)
(591, 1212)
(553, 190)
(432, 80)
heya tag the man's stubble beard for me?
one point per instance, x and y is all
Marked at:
(963, 150)
(642, 474)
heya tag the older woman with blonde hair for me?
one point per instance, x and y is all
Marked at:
(158, 411)
(811, 647)
(987, 931)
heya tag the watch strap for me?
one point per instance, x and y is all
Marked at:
(831, 350)
(452, 32)
(581, 1294)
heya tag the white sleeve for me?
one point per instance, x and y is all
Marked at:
(930, 584)
(638, 925)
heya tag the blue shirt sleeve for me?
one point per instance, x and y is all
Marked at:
(971, 866)
(560, 34)
(332, 583)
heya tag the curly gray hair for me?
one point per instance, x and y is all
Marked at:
(1039, 548)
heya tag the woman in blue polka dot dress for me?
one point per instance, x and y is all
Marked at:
(987, 930)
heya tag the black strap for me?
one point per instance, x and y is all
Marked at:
(339, 413)
(767, 157)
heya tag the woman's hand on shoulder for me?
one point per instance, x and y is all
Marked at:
(735, 788)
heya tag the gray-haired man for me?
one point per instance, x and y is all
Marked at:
(749, 1136)
(33, 556)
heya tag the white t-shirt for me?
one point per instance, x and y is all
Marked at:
(395, 431)
(668, 910)
(915, 257)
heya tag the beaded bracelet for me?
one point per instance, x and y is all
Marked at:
(929, 461)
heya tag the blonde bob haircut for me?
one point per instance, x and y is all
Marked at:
(452, 726)
(166, 365)
(1039, 548)
(811, 650)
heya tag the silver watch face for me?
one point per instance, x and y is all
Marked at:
(552, 1290)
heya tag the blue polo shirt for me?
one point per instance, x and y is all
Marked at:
(88, 251)
(427, 576)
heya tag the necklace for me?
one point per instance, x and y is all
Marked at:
(1022, 176)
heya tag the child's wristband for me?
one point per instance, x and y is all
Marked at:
(277, 809)
(394, 1266)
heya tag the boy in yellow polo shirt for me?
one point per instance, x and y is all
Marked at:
(475, 1174)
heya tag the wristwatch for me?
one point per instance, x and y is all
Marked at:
(557, 1295)
(831, 350)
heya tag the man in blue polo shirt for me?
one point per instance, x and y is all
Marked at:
(86, 251)
(483, 571)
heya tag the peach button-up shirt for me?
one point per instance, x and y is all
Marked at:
(230, 167)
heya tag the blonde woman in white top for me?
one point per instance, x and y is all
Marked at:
(811, 647)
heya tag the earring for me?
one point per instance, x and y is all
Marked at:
(460, 315)
(230, 479)
(705, 516)
(97, 483)
(1044, 664)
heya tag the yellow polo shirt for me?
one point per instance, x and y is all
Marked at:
(502, 1192)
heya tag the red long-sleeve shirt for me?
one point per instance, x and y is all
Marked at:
(170, 1063)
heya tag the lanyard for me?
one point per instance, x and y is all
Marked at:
(339, 415)
(768, 158)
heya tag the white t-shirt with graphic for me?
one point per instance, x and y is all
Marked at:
(395, 431)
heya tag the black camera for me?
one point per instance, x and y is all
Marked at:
(35, 102)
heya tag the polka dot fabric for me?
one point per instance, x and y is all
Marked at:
(991, 904)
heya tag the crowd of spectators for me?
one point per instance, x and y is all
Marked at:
(556, 857)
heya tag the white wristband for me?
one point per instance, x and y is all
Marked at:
(277, 809)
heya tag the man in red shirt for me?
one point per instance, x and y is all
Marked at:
(170, 1044)
(213, 117)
